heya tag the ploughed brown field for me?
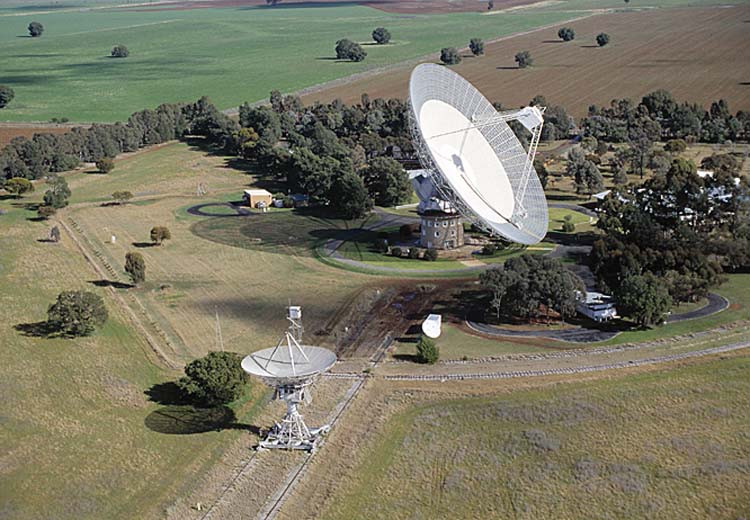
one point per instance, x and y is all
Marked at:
(12, 130)
(699, 54)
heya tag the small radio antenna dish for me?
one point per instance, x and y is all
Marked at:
(291, 368)
(473, 158)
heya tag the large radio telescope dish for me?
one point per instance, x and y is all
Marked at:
(473, 157)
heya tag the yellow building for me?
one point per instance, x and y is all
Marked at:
(258, 198)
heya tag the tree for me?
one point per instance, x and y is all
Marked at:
(77, 313)
(397, 252)
(450, 56)
(35, 29)
(6, 95)
(568, 226)
(675, 146)
(54, 234)
(476, 45)
(490, 5)
(427, 351)
(587, 177)
(387, 181)
(159, 234)
(541, 171)
(349, 197)
(122, 197)
(18, 186)
(566, 34)
(381, 35)
(644, 298)
(45, 212)
(135, 266)
(524, 59)
(349, 50)
(214, 379)
(120, 51)
(602, 39)
(105, 164)
(430, 255)
(58, 193)
(620, 177)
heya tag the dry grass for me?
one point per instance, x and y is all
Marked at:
(656, 443)
(696, 53)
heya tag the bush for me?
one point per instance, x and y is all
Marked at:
(18, 186)
(427, 351)
(450, 56)
(476, 45)
(121, 197)
(430, 255)
(120, 51)
(524, 59)
(288, 202)
(489, 249)
(45, 212)
(380, 245)
(566, 34)
(414, 253)
(675, 146)
(77, 313)
(35, 29)
(568, 226)
(381, 35)
(397, 252)
(6, 95)
(602, 39)
(105, 164)
(215, 379)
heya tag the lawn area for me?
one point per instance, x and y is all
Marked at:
(80, 438)
(231, 54)
(662, 444)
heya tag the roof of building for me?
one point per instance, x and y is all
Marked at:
(258, 193)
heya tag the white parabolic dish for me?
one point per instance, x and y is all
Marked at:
(287, 366)
(476, 155)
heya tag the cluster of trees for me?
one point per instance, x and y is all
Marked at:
(49, 153)
(588, 179)
(339, 155)
(659, 116)
(530, 286)
(682, 229)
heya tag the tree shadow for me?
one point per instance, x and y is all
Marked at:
(167, 393)
(589, 46)
(508, 68)
(142, 245)
(45, 241)
(406, 357)
(553, 41)
(39, 329)
(111, 283)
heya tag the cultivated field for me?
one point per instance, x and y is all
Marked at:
(696, 53)
(667, 443)
(232, 54)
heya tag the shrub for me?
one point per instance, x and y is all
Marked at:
(105, 164)
(77, 313)
(430, 255)
(121, 197)
(380, 245)
(215, 379)
(476, 45)
(427, 351)
(396, 251)
(45, 212)
(489, 249)
(35, 29)
(568, 226)
(602, 39)
(288, 202)
(6, 95)
(414, 253)
(450, 56)
(566, 34)
(381, 35)
(120, 51)
(18, 186)
(675, 146)
(524, 59)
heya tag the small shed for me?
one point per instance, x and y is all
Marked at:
(258, 198)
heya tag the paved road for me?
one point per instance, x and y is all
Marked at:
(716, 303)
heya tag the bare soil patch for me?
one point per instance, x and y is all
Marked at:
(696, 53)
(9, 131)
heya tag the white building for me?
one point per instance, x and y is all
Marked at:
(597, 306)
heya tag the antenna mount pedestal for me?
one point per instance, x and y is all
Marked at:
(292, 433)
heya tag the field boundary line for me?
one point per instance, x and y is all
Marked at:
(574, 370)
(132, 316)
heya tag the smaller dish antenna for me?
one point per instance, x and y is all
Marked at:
(291, 368)
(431, 326)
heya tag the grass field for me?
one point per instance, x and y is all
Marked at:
(80, 438)
(664, 444)
(231, 54)
(696, 53)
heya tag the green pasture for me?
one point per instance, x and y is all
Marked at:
(664, 444)
(230, 54)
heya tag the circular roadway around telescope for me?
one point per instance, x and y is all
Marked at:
(482, 165)
(278, 367)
